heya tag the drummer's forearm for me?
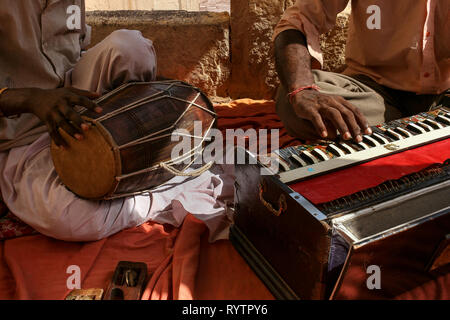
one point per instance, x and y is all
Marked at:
(16, 101)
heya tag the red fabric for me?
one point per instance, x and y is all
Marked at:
(253, 114)
(350, 180)
(13, 227)
(431, 290)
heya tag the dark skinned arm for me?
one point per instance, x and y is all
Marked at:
(327, 113)
(54, 107)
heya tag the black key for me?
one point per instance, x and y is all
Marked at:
(380, 138)
(334, 149)
(308, 157)
(403, 132)
(443, 119)
(415, 128)
(295, 158)
(353, 146)
(394, 135)
(425, 126)
(370, 141)
(433, 124)
(283, 166)
(319, 154)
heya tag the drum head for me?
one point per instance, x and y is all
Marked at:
(88, 167)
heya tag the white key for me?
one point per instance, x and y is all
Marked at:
(443, 119)
(347, 148)
(434, 124)
(394, 135)
(404, 132)
(299, 160)
(363, 145)
(322, 155)
(310, 156)
(364, 155)
(336, 150)
(281, 163)
(416, 128)
(379, 137)
(374, 142)
(425, 126)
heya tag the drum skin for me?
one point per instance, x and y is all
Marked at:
(121, 153)
(87, 167)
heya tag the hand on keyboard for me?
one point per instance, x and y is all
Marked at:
(329, 114)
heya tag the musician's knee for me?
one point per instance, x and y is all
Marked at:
(133, 55)
(67, 226)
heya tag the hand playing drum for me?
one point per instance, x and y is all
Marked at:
(128, 147)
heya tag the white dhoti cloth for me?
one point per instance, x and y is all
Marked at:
(33, 191)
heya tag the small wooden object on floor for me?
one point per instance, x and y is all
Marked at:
(128, 281)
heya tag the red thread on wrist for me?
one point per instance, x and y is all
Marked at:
(296, 91)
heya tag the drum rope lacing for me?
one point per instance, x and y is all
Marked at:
(187, 159)
(194, 173)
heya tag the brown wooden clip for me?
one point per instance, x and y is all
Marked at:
(128, 281)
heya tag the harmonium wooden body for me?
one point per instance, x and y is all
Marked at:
(346, 220)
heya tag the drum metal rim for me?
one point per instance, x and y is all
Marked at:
(115, 149)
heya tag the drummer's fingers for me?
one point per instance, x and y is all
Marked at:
(82, 101)
(74, 118)
(62, 122)
(84, 93)
(54, 133)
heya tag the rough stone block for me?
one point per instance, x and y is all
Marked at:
(253, 67)
(191, 46)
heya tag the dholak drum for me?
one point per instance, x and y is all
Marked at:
(128, 149)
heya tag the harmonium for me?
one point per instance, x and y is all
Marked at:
(347, 220)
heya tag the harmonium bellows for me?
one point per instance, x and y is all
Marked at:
(336, 212)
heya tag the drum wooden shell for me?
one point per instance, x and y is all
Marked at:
(122, 153)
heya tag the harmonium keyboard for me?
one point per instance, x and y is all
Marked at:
(347, 220)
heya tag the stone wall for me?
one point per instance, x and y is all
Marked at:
(215, 5)
(253, 67)
(190, 5)
(224, 57)
(191, 46)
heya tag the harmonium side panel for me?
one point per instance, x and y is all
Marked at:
(295, 243)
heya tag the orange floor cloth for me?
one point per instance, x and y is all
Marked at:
(181, 262)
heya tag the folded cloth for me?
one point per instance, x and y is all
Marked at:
(13, 227)
(253, 114)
